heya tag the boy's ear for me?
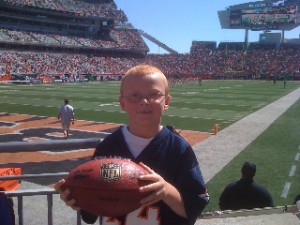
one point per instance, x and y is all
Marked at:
(121, 102)
(167, 102)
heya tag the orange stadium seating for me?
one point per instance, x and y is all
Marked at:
(9, 185)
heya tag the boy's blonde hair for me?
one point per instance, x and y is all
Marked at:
(144, 70)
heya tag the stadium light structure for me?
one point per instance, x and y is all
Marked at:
(157, 42)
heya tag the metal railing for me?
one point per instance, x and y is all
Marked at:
(15, 147)
(55, 145)
(71, 144)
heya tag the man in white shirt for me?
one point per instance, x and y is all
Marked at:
(66, 115)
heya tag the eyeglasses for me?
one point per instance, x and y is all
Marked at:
(151, 97)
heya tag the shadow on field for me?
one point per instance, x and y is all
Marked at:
(50, 167)
(48, 133)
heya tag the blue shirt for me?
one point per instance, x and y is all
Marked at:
(173, 158)
(6, 213)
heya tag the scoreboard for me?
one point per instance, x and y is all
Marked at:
(262, 15)
(267, 17)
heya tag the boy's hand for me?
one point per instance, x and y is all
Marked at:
(64, 195)
(160, 189)
(157, 189)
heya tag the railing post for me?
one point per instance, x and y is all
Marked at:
(50, 208)
(20, 209)
(78, 218)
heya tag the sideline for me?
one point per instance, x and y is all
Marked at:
(217, 151)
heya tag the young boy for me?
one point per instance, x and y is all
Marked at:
(177, 194)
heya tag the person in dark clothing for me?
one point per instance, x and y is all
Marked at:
(297, 198)
(7, 215)
(245, 193)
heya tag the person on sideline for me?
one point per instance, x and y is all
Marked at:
(66, 115)
(245, 193)
(284, 83)
(297, 198)
(177, 194)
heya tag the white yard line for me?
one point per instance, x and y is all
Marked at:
(286, 190)
(218, 150)
(297, 157)
(292, 171)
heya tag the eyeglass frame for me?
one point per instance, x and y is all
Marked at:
(139, 97)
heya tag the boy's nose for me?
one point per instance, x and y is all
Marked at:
(145, 99)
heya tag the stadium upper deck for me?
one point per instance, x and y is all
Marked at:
(68, 26)
(80, 8)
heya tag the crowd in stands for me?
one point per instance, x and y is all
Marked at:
(79, 8)
(213, 63)
(251, 62)
(119, 38)
(45, 63)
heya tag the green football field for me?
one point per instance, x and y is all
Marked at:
(193, 107)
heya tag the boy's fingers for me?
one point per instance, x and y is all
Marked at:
(72, 204)
(146, 167)
(58, 185)
(64, 195)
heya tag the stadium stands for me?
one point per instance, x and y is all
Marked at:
(261, 46)
(92, 8)
(255, 63)
(238, 46)
(202, 48)
(31, 44)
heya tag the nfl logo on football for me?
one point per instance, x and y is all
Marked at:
(111, 171)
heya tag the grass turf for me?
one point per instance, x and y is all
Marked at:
(193, 107)
(274, 153)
